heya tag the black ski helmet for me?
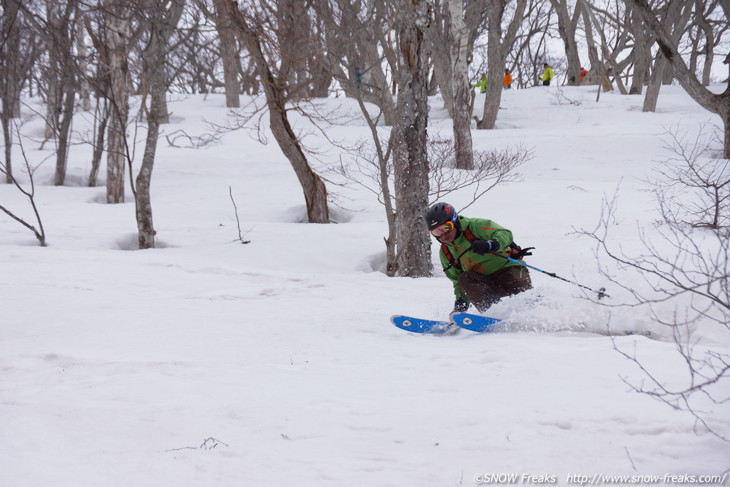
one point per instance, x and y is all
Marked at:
(439, 214)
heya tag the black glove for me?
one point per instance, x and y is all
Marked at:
(481, 247)
(461, 305)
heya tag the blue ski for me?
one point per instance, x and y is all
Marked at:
(420, 325)
(478, 323)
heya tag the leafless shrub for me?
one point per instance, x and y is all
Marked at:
(208, 444)
(29, 193)
(682, 277)
(693, 187)
(238, 220)
(182, 140)
(560, 98)
(490, 169)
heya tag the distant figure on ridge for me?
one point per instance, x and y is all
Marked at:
(507, 80)
(583, 73)
(547, 74)
(481, 84)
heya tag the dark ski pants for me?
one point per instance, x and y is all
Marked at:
(483, 291)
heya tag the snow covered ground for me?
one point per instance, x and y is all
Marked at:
(210, 363)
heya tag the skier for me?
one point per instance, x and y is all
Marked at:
(547, 74)
(467, 248)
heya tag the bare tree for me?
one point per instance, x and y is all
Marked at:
(37, 227)
(439, 35)
(614, 35)
(99, 81)
(497, 48)
(195, 55)
(64, 42)
(598, 71)
(254, 27)
(83, 54)
(674, 19)
(10, 50)
(707, 26)
(229, 55)
(409, 150)
(359, 52)
(451, 35)
(9, 82)
(57, 29)
(528, 51)
(160, 19)
(716, 103)
(567, 26)
(117, 31)
(692, 186)
(641, 54)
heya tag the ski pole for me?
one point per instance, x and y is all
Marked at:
(601, 292)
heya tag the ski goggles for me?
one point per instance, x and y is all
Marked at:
(442, 229)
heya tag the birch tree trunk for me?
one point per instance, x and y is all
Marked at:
(142, 199)
(117, 19)
(83, 66)
(460, 88)
(410, 155)
(229, 55)
(163, 17)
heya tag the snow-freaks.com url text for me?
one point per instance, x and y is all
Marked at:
(599, 479)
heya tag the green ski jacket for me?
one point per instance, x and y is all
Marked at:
(460, 249)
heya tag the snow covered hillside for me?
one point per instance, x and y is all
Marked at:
(208, 363)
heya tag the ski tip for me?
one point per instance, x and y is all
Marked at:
(419, 325)
(472, 322)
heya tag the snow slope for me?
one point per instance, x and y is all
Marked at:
(206, 362)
